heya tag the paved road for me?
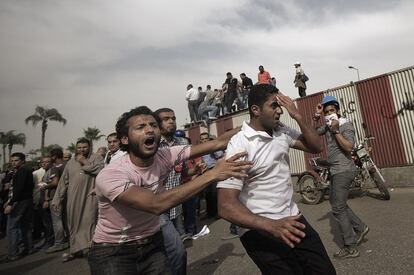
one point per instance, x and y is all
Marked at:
(389, 249)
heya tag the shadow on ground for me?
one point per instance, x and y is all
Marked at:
(208, 265)
(25, 268)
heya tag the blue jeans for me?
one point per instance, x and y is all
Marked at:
(47, 226)
(20, 221)
(58, 228)
(129, 258)
(176, 253)
(207, 111)
(190, 215)
(349, 223)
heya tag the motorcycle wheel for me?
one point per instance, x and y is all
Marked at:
(380, 182)
(309, 191)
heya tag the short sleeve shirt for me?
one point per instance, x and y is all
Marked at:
(268, 189)
(340, 160)
(118, 222)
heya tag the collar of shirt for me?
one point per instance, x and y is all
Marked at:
(249, 132)
(165, 143)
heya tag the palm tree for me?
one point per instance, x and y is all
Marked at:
(71, 148)
(3, 142)
(92, 134)
(43, 114)
(51, 147)
(15, 139)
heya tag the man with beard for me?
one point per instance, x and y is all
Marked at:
(78, 182)
(172, 225)
(272, 230)
(132, 196)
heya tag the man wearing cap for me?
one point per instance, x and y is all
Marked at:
(340, 138)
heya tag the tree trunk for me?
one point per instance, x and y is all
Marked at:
(42, 145)
(10, 149)
(4, 155)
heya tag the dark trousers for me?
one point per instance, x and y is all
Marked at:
(130, 258)
(20, 223)
(229, 98)
(273, 256)
(302, 91)
(190, 215)
(48, 226)
(211, 200)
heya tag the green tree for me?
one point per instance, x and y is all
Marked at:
(92, 134)
(52, 146)
(71, 148)
(44, 115)
(15, 139)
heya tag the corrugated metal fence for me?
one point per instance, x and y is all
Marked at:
(381, 106)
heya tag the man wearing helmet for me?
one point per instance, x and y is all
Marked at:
(340, 138)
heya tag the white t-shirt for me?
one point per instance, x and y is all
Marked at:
(192, 94)
(268, 189)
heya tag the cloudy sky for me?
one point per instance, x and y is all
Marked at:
(94, 60)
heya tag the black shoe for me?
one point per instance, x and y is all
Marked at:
(361, 235)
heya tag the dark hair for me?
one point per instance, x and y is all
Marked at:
(242, 74)
(208, 87)
(204, 133)
(122, 127)
(228, 73)
(261, 66)
(259, 94)
(20, 155)
(161, 110)
(113, 134)
(57, 152)
(83, 140)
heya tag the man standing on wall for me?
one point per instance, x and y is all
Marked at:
(300, 79)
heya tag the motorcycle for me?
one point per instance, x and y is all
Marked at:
(314, 184)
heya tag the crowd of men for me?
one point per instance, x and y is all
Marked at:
(130, 210)
(206, 105)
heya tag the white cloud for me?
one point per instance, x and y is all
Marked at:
(93, 60)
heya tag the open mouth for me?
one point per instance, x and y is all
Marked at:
(149, 142)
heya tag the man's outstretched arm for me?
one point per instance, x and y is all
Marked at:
(212, 146)
(143, 199)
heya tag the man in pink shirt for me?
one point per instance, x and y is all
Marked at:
(131, 195)
(263, 77)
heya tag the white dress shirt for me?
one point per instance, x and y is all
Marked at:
(268, 189)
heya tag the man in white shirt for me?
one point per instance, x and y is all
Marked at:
(192, 96)
(114, 151)
(274, 233)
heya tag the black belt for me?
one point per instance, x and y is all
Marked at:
(139, 242)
